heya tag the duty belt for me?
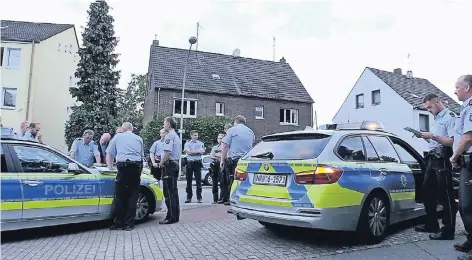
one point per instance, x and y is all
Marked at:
(435, 153)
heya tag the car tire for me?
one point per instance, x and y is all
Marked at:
(208, 179)
(144, 204)
(374, 219)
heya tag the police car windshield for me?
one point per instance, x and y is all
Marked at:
(289, 147)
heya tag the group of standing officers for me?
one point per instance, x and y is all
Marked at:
(450, 148)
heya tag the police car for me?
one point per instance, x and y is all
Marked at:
(347, 177)
(43, 187)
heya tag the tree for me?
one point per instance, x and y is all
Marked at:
(98, 79)
(131, 101)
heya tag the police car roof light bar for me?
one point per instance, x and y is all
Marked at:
(364, 125)
(7, 132)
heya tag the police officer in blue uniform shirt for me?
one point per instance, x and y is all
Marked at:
(462, 159)
(170, 162)
(215, 154)
(85, 149)
(128, 149)
(437, 182)
(194, 150)
(155, 153)
(237, 142)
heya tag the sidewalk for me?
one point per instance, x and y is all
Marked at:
(422, 250)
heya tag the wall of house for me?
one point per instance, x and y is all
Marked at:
(393, 111)
(55, 62)
(15, 78)
(206, 106)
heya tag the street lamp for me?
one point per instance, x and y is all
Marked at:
(192, 41)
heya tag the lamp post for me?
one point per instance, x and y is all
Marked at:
(192, 41)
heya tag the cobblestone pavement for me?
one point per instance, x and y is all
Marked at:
(217, 235)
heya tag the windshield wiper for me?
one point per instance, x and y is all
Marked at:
(269, 155)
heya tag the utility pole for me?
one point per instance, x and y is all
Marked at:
(198, 30)
(273, 49)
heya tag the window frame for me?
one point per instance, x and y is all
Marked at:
(2, 55)
(341, 140)
(357, 101)
(255, 111)
(373, 95)
(368, 140)
(6, 58)
(427, 122)
(3, 106)
(285, 116)
(185, 115)
(391, 143)
(216, 108)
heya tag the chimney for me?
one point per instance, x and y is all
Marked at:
(282, 60)
(409, 74)
(398, 71)
(155, 42)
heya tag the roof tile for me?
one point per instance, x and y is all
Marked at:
(30, 31)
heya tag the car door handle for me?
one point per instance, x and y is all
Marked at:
(32, 183)
(383, 171)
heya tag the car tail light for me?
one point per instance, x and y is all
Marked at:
(240, 175)
(322, 175)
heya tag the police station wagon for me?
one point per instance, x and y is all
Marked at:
(42, 187)
(349, 177)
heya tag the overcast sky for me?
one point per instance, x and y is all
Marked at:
(327, 43)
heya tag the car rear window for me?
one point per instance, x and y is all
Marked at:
(294, 147)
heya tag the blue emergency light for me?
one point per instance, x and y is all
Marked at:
(7, 132)
(364, 125)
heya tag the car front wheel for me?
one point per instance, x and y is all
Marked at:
(374, 218)
(208, 179)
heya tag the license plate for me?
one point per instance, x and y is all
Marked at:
(279, 180)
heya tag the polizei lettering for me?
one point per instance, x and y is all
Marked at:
(78, 189)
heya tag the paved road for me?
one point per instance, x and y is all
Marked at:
(208, 232)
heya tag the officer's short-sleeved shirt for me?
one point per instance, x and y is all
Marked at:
(215, 149)
(466, 119)
(157, 148)
(28, 136)
(194, 146)
(443, 126)
(84, 153)
(172, 144)
(126, 146)
(240, 139)
(457, 133)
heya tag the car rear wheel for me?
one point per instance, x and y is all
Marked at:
(208, 179)
(142, 206)
(374, 218)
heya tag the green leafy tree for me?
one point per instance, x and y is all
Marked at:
(98, 79)
(131, 101)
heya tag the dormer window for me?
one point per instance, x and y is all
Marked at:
(215, 76)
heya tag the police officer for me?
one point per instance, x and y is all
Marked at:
(237, 142)
(85, 149)
(155, 153)
(170, 162)
(437, 182)
(33, 133)
(194, 150)
(102, 146)
(215, 154)
(462, 159)
(128, 148)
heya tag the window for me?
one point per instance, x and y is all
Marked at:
(259, 112)
(290, 147)
(8, 97)
(12, 58)
(360, 101)
(35, 159)
(372, 155)
(351, 149)
(288, 116)
(376, 97)
(424, 123)
(190, 108)
(405, 156)
(220, 109)
(4, 161)
(384, 148)
(2, 49)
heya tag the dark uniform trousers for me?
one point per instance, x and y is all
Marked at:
(228, 177)
(170, 174)
(156, 172)
(194, 168)
(437, 187)
(465, 195)
(126, 191)
(216, 177)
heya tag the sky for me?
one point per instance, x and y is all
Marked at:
(327, 43)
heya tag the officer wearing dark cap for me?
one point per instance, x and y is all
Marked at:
(170, 162)
(437, 182)
(128, 148)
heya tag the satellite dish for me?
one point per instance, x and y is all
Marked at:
(236, 52)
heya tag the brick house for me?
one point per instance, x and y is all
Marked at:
(269, 94)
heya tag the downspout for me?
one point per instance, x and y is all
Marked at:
(158, 100)
(28, 97)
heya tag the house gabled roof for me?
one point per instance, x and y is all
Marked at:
(29, 31)
(414, 89)
(225, 74)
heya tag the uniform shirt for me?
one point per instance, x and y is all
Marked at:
(457, 133)
(194, 146)
(240, 139)
(126, 146)
(103, 149)
(28, 136)
(216, 149)
(466, 119)
(84, 153)
(172, 144)
(157, 149)
(443, 126)
(19, 135)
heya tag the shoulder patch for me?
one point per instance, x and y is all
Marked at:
(470, 103)
(470, 117)
(167, 141)
(452, 114)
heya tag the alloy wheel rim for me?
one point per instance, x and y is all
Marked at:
(142, 206)
(210, 180)
(377, 217)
